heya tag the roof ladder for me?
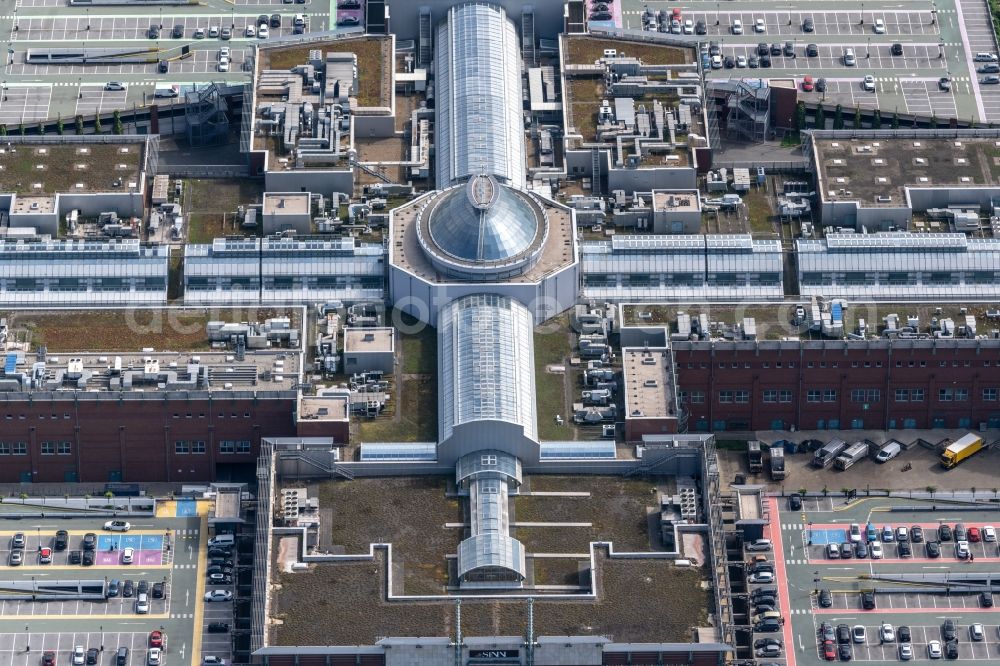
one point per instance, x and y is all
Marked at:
(424, 38)
(595, 174)
(528, 37)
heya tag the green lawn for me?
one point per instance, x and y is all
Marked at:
(552, 347)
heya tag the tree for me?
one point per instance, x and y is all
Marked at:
(98, 128)
(79, 124)
(895, 120)
(41, 128)
(826, 491)
(60, 128)
(3, 130)
(820, 117)
(799, 120)
(117, 128)
(838, 117)
(931, 490)
(877, 119)
(20, 129)
(857, 118)
(934, 122)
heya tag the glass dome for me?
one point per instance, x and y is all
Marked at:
(483, 221)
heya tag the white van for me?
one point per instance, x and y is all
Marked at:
(985, 57)
(888, 452)
(222, 540)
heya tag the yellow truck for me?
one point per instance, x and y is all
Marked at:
(961, 449)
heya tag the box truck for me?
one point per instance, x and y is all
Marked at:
(961, 449)
(851, 455)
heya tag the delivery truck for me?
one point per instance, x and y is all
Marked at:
(755, 457)
(777, 460)
(825, 456)
(961, 449)
(851, 455)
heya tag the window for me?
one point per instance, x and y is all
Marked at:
(812, 395)
(4, 449)
(741, 397)
(227, 446)
(945, 395)
(902, 395)
(243, 446)
(961, 395)
(19, 448)
(48, 448)
(682, 397)
(830, 395)
(917, 395)
(182, 446)
(866, 395)
(65, 448)
(488, 460)
(697, 397)
(785, 396)
(725, 396)
(770, 395)
(990, 394)
(197, 447)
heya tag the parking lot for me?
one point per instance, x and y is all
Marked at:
(918, 591)
(169, 563)
(105, 29)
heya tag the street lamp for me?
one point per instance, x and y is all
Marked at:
(88, 18)
(868, 50)
(862, 21)
(27, 639)
(717, 13)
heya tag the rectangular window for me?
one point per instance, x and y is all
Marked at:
(866, 395)
(917, 395)
(48, 448)
(830, 395)
(181, 446)
(725, 396)
(197, 447)
(770, 395)
(682, 397)
(961, 394)
(4, 449)
(785, 396)
(227, 446)
(65, 448)
(741, 397)
(945, 395)
(243, 446)
(990, 394)
(902, 395)
(697, 397)
(812, 395)
(19, 448)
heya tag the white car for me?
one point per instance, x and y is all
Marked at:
(850, 60)
(934, 649)
(989, 534)
(876, 549)
(142, 604)
(717, 62)
(117, 526)
(224, 53)
(905, 652)
(262, 31)
(759, 545)
(213, 31)
(759, 25)
(761, 577)
(224, 65)
(879, 27)
(902, 534)
(859, 634)
(128, 555)
(868, 83)
(250, 31)
(688, 27)
(737, 27)
(219, 595)
(962, 550)
(741, 61)
(855, 533)
(199, 33)
(154, 657)
(976, 632)
(886, 633)
(114, 86)
(79, 655)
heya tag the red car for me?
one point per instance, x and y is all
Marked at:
(48, 658)
(45, 556)
(829, 651)
(156, 639)
(807, 84)
(974, 534)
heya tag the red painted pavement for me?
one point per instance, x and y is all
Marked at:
(901, 611)
(782, 581)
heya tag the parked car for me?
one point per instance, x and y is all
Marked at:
(859, 634)
(177, 32)
(275, 20)
(886, 634)
(89, 541)
(18, 541)
(944, 83)
(850, 60)
(92, 655)
(974, 535)
(902, 534)
(887, 533)
(829, 650)
(88, 558)
(218, 628)
(986, 599)
(153, 657)
(758, 545)
(808, 25)
(74, 557)
(944, 532)
(807, 86)
(989, 534)
(142, 604)
(916, 534)
(933, 549)
(833, 551)
(812, 50)
(48, 658)
(825, 598)
(128, 588)
(199, 33)
(218, 595)
(905, 652)
(843, 633)
(226, 33)
(700, 28)
(79, 656)
(794, 500)
(45, 556)
(737, 27)
(992, 79)
(897, 49)
(114, 588)
(128, 554)
(949, 632)
(61, 540)
(157, 590)
(860, 549)
(876, 550)
(962, 534)
(759, 25)
(868, 600)
(114, 86)
(903, 634)
(16, 558)
(153, 32)
(976, 631)
(962, 550)
(227, 579)
(821, 87)
(951, 650)
(142, 587)
(879, 26)
(905, 550)
(934, 649)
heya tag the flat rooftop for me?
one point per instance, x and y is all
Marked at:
(325, 407)
(647, 382)
(127, 330)
(369, 340)
(875, 171)
(407, 252)
(775, 321)
(584, 50)
(37, 169)
(286, 203)
(630, 605)
(34, 205)
(676, 201)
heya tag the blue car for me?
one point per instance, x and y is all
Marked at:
(871, 534)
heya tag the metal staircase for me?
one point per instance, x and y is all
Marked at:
(316, 462)
(595, 165)
(425, 41)
(528, 37)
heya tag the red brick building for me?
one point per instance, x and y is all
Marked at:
(881, 384)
